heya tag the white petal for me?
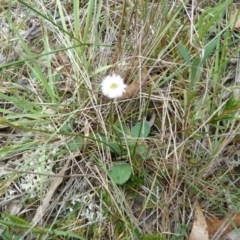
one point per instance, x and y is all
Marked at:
(108, 91)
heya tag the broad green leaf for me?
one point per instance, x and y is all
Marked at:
(143, 151)
(108, 142)
(120, 173)
(67, 127)
(76, 144)
(123, 134)
(121, 130)
(141, 130)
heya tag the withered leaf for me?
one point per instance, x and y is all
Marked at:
(199, 229)
(214, 224)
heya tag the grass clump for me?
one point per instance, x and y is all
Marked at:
(128, 168)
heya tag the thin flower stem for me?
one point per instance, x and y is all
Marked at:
(111, 113)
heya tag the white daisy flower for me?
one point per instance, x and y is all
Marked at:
(113, 86)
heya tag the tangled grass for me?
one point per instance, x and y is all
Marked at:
(60, 137)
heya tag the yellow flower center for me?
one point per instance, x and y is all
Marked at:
(113, 86)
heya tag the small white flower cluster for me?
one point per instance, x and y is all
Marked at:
(113, 86)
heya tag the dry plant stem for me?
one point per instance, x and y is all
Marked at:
(53, 186)
(156, 44)
(134, 61)
(212, 167)
(45, 174)
(119, 42)
(191, 135)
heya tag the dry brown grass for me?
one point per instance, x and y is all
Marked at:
(53, 58)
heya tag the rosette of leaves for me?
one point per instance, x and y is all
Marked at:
(134, 140)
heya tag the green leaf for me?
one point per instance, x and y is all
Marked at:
(67, 127)
(35, 67)
(108, 142)
(76, 144)
(121, 130)
(114, 147)
(18, 148)
(17, 220)
(120, 173)
(101, 69)
(20, 223)
(194, 72)
(209, 49)
(123, 134)
(141, 130)
(211, 18)
(143, 151)
(184, 53)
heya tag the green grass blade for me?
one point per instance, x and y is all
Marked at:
(184, 53)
